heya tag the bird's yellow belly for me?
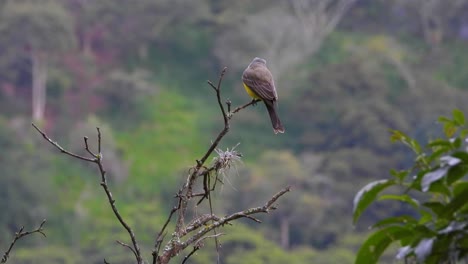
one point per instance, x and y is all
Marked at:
(250, 92)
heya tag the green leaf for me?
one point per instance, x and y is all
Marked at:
(461, 155)
(459, 188)
(458, 117)
(454, 226)
(377, 243)
(431, 177)
(458, 201)
(463, 241)
(367, 195)
(449, 130)
(402, 198)
(437, 207)
(416, 180)
(456, 173)
(463, 133)
(449, 161)
(415, 146)
(463, 210)
(420, 231)
(440, 143)
(423, 249)
(436, 154)
(441, 223)
(404, 252)
(440, 187)
(396, 220)
(425, 217)
(444, 119)
(397, 136)
(457, 143)
(399, 175)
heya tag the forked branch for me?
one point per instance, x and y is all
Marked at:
(20, 234)
(185, 233)
(196, 230)
(97, 159)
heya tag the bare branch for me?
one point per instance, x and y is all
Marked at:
(55, 144)
(191, 178)
(203, 224)
(98, 161)
(199, 222)
(87, 147)
(253, 102)
(99, 140)
(253, 218)
(195, 249)
(242, 214)
(226, 123)
(20, 234)
(127, 246)
(199, 245)
(199, 226)
(160, 236)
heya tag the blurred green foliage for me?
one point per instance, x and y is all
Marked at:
(435, 187)
(139, 71)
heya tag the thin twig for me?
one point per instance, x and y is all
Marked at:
(210, 202)
(218, 95)
(195, 249)
(228, 104)
(55, 144)
(199, 194)
(99, 140)
(237, 109)
(199, 245)
(160, 236)
(252, 218)
(127, 246)
(20, 234)
(87, 147)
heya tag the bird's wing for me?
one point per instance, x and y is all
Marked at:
(260, 81)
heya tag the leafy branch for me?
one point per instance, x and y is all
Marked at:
(436, 190)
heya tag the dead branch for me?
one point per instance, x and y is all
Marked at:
(97, 159)
(20, 234)
(199, 245)
(197, 229)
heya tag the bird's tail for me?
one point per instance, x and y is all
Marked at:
(275, 121)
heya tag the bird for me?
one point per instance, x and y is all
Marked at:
(259, 84)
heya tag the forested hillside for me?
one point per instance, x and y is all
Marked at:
(346, 72)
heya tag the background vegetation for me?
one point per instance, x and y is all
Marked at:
(346, 73)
